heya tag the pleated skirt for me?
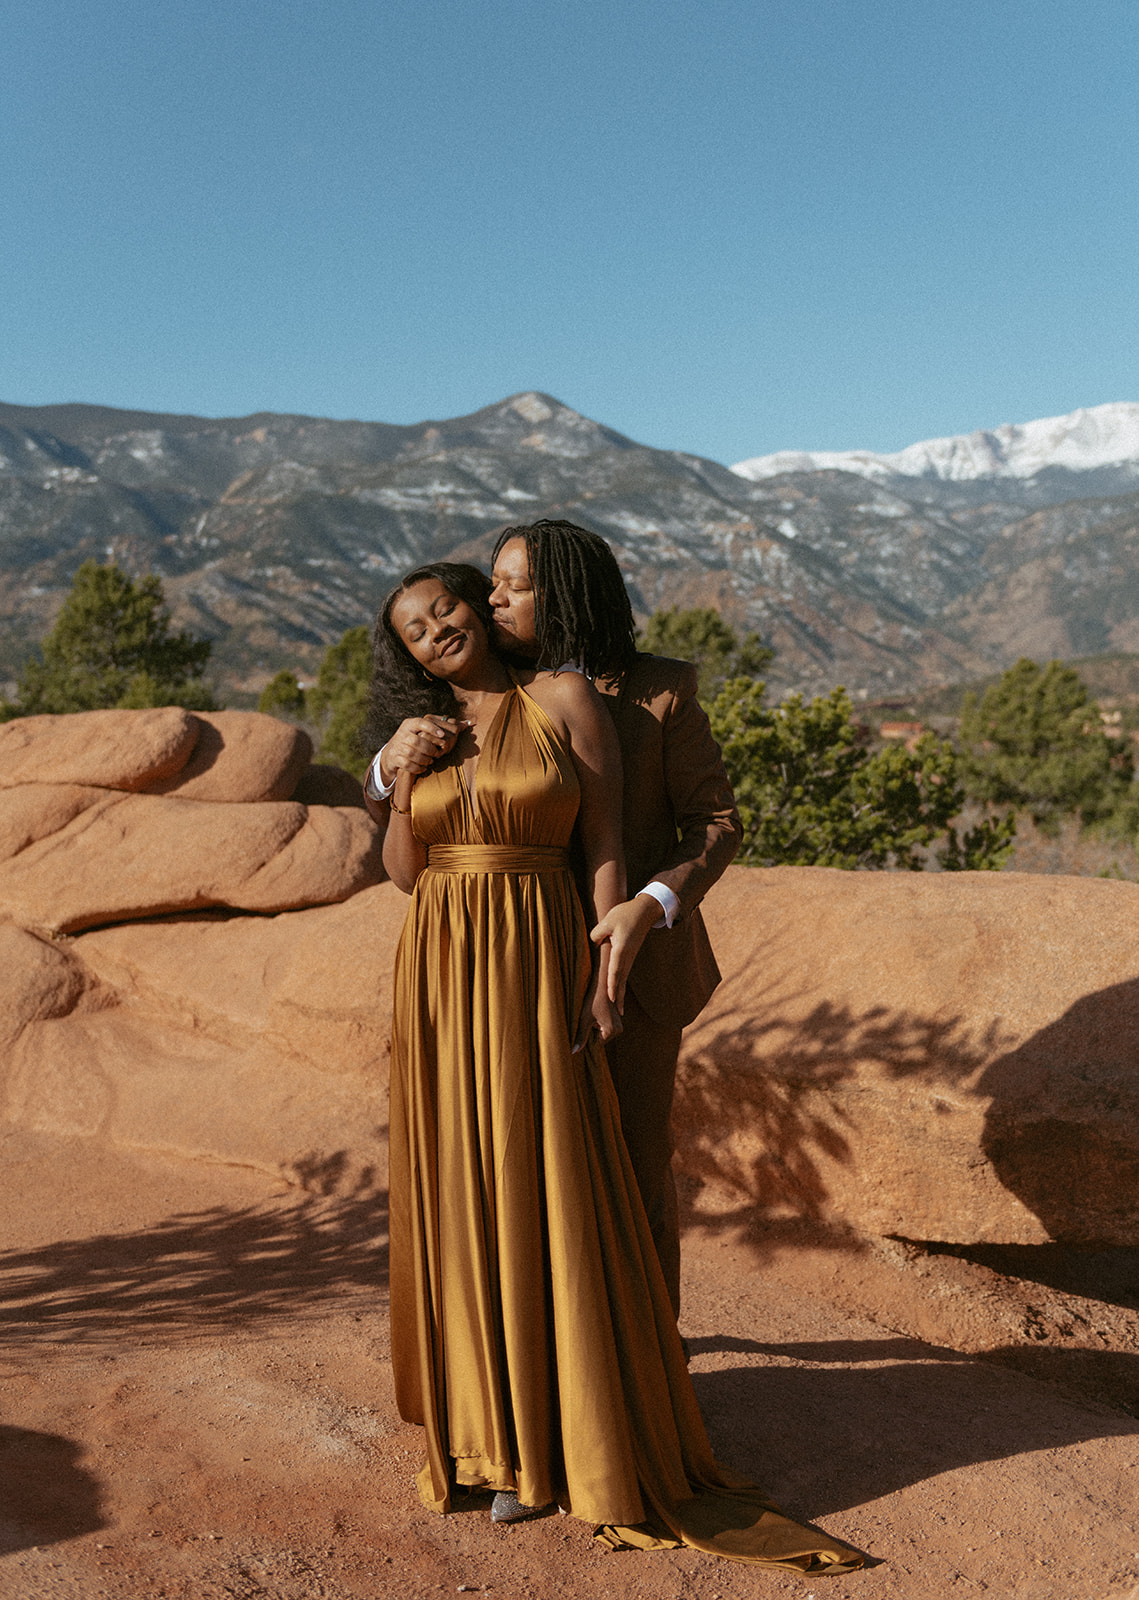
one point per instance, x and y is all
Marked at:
(532, 1335)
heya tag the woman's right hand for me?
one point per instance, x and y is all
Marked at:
(597, 1011)
(416, 743)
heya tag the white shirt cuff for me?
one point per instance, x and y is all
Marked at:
(668, 902)
(374, 784)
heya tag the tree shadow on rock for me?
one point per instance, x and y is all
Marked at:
(1062, 1129)
(829, 1434)
(757, 1113)
(196, 1272)
(45, 1495)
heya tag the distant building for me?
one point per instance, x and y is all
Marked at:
(910, 732)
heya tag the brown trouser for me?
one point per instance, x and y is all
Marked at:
(643, 1063)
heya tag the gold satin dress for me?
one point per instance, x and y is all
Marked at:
(532, 1335)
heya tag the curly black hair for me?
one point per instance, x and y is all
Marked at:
(582, 611)
(399, 686)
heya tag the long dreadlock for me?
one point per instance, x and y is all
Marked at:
(582, 611)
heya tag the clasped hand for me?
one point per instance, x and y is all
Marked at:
(417, 742)
(619, 936)
(623, 929)
(597, 1011)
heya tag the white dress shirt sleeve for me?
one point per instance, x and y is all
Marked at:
(668, 902)
(374, 785)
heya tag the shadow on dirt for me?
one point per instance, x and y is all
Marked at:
(197, 1272)
(45, 1495)
(1108, 1275)
(829, 1434)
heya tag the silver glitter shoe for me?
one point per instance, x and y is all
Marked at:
(508, 1508)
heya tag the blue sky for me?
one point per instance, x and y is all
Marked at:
(727, 228)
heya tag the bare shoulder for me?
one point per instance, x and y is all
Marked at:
(566, 694)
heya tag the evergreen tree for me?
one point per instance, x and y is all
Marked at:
(338, 701)
(1035, 741)
(811, 793)
(112, 645)
(703, 637)
(283, 696)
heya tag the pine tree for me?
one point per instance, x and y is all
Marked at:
(338, 701)
(1035, 741)
(812, 793)
(112, 645)
(283, 696)
(703, 637)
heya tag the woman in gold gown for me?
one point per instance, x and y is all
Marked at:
(532, 1335)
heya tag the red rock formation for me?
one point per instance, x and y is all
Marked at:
(240, 756)
(938, 1056)
(111, 749)
(255, 1040)
(80, 846)
(130, 856)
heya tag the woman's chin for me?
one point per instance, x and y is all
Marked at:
(454, 663)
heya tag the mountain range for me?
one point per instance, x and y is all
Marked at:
(891, 574)
(1097, 444)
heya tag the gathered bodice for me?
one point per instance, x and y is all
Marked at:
(526, 790)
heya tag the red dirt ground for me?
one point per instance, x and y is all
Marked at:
(199, 1406)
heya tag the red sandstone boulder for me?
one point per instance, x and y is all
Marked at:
(37, 980)
(937, 1056)
(240, 756)
(109, 749)
(945, 1057)
(129, 856)
(260, 1041)
(315, 984)
(37, 810)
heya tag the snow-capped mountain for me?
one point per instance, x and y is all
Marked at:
(274, 534)
(1083, 441)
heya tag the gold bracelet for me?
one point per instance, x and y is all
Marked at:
(399, 811)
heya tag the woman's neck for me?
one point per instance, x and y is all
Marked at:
(490, 684)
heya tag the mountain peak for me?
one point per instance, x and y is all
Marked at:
(1081, 441)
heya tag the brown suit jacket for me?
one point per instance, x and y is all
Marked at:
(680, 826)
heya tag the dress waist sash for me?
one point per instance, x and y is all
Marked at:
(497, 858)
